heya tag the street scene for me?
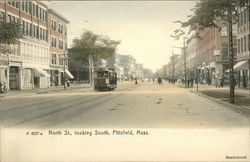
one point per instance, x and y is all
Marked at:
(57, 70)
(142, 105)
(125, 80)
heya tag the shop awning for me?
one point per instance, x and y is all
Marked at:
(242, 65)
(40, 72)
(69, 74)
(37, 69)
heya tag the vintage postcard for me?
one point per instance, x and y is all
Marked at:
(125, 81)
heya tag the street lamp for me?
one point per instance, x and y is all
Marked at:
(197, 78)
(184, 59)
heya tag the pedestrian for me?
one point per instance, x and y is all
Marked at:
(160, 81)
(218, 83)
(221, 83)
(68, 83)
(136, 81)
(5, 87)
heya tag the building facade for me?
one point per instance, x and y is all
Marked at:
(29, 63)
(58, 48)
(28, 60)
(128, 63)
(114, 63)
(243, 48)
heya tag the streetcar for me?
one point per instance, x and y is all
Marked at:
(105, 79)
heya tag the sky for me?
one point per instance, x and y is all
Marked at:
(143, 27)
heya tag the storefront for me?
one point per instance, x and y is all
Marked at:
(241, 68)
(35, 76)
(15, 77)
(57, 76)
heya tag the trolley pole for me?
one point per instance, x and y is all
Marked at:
(197, 79)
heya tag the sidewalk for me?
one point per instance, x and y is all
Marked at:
(43, 90)
(242, 97)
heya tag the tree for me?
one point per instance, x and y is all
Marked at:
(206, 14)
(96, 46)
(10, 32)
(91, 47)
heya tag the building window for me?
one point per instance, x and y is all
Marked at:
(241, 45)
(30, 30)
(60, 44)
(34, 10)
(53, 42)
(1, 16)
(41, 33)
(53, 25)
(40, 13)
(53, 60)
(37, 32)
(245, 44)
(22, 6)
(37, 10)
(30, 8)
(238, 46)
(60, 28)
(46, 16)
(34, 31)
(61, 60)
(26, 7)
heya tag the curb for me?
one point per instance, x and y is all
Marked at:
(41, 91)
(220, 102)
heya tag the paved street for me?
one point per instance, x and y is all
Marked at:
(146, 105)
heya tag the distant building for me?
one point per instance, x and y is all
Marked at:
(128, 63)
(114, 63)
(139, 71)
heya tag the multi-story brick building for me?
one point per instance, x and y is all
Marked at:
(212, 53)
(243, 48)
(28, 62)
(58, 47)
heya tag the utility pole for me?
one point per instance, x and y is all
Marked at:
(185, 62)
(173, 64)
(231, 56)
(197, 79)
(248, 5)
